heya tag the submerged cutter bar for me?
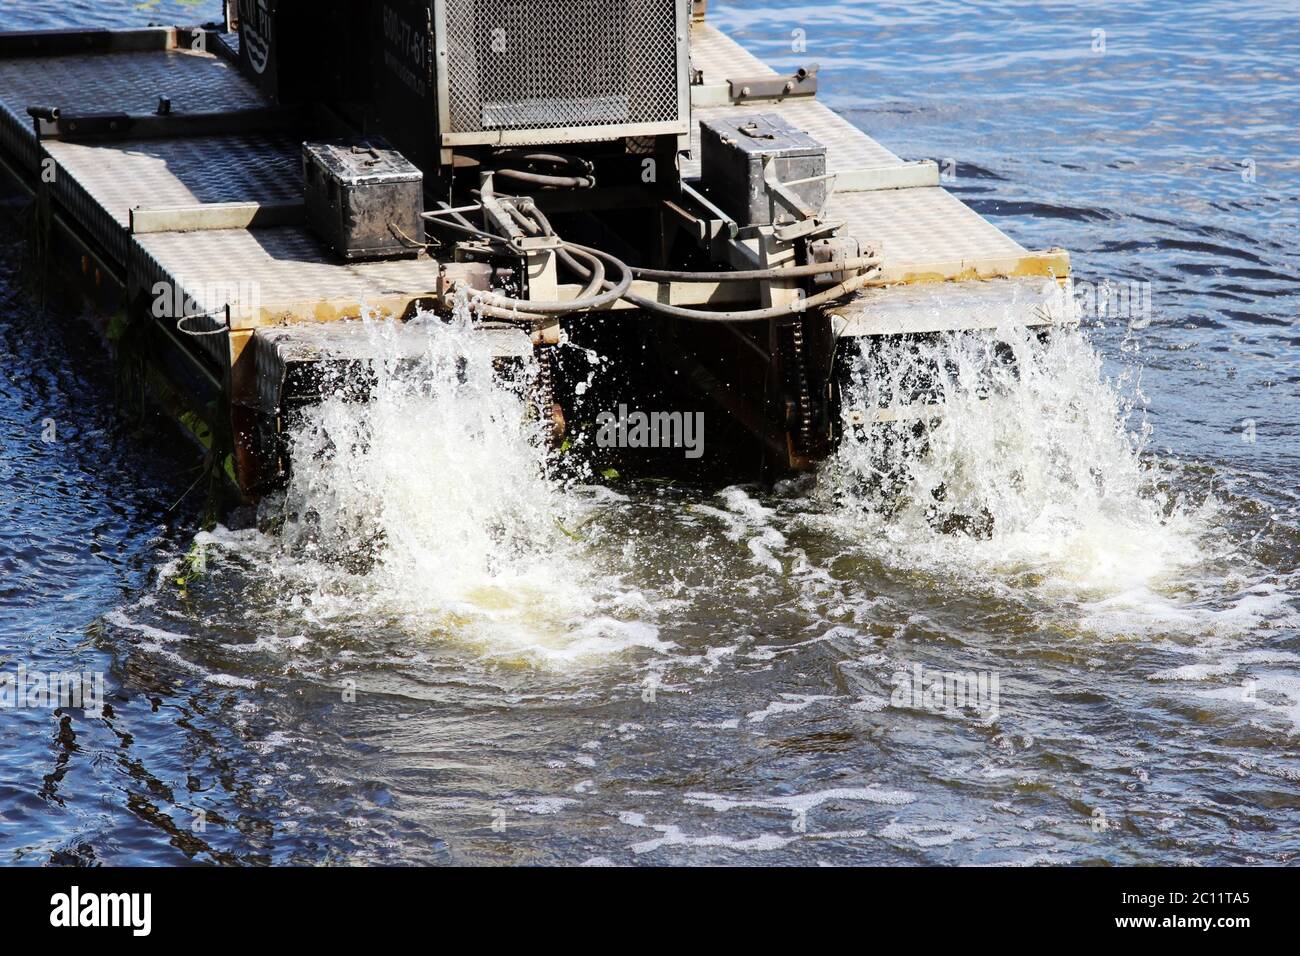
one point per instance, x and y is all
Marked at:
(237, 195)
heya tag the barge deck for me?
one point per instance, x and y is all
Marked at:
(215, 214)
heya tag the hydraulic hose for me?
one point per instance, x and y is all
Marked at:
(751, 315)
(597, 279)
(465, 229)
(594, 274)
(560, 176)
(550, 158)
(614, 292)
(847, 287)
(830, 295)
(546, 181)
(749, 275)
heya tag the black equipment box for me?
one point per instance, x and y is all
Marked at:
(306, 51)
(364, 200)
(734, 151)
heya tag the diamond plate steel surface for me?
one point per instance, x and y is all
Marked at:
(945, 306)
(920, 226)
(98, 184)
(124, 83)
(721, 57)
(182, 172)
(287, 264)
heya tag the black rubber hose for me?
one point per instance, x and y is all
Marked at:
(615, 291)
(512, 309)
(467, 230)
(560, 160)
(597, 277)
(545, 181)
(582, 303)
(836, 292)
(748, 275)
(752, 315)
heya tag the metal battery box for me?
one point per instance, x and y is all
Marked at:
(364, 200)
(733, 153)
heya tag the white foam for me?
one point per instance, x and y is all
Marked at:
(803, 802)
(429, 507)
(541, 806)
(118, 618)
(1046, 484)
(789, 703)
(674, 836)
(183, 663)
(926, 835)
(750, 521)
(1193, 672)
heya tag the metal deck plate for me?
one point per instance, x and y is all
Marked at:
(100, 183)
(721, 57)
(275, 266)
(181, 172)
(917, 227)
(287, 264)
(126, 83)
(116, 83)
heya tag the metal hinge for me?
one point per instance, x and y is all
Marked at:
(803, 82)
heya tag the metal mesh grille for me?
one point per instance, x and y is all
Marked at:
(559, 64)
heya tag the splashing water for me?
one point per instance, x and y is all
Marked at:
(1035, 475)
(428, 504)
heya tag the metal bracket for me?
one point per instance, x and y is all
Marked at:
(36, 43)
(203, 217)
(499, 211)
(53, 123)
(803, 82)
(838, 251)
(809, 222)
(808, 229)
(720, 222)
(782, 193)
